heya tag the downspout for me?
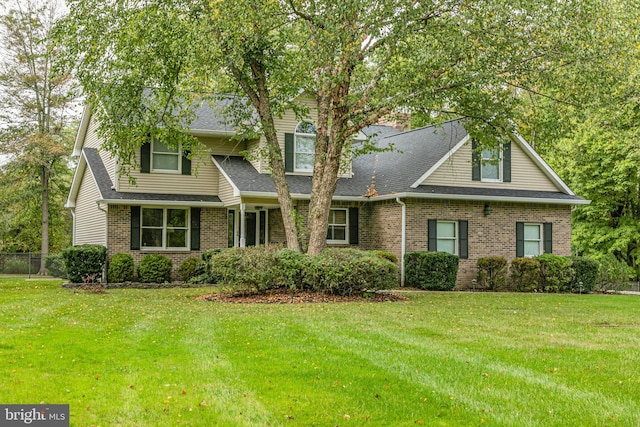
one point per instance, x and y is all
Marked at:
(403, 239)
(242, 228)
(106, 221)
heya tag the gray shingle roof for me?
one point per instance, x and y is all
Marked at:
(107, 193)
(210, 115)
(414, 152)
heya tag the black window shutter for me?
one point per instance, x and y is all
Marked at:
(506, 162)
(353, 226)
(547, 234)
(135, 227)
(433, 235)
(288, 152)
(519, 239)
(195, 229)
(186, 163)
(475, 162)
(463, 231)
(145, 157)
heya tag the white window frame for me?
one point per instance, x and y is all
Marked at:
(295, 147)
(345, 225)
(164, 228)
(484, 160)
(455, 238)
(178, 154)
(525, 240)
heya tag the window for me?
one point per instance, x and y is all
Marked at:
(532, 240)
(304, 147)
(164, 158)
(447, 237)
(337, 230)
(164, 228)
(491, 165)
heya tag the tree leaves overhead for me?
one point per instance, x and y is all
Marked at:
(141, 62)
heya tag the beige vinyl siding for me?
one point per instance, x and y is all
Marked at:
(525, 174)
(204, 176)
(287, 124)
(226, 192)
(90, 222)
(92, 140)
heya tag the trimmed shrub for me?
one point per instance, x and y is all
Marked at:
(155, 268)
(120, 268)
(525, 274)
(252, 269)
(386, 255)
(611, 273)
(85, 263)
(585, 272)
(492, 273)
(55, 264)
(292, 266)
(209, 253)
(556, 273)
(345, 271)
(189, 268)
(434, 271)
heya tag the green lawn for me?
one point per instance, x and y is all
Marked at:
(159, 357)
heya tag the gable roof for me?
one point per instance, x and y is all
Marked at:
(91, 160)
(209, 120)
(395, 172)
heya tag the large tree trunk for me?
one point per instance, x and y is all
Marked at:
(44, 246)
(260, 98)
(325, 178)
(276, 164)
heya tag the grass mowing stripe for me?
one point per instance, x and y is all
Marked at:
(561, 353)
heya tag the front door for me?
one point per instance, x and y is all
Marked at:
(255, 227)
(250, 225)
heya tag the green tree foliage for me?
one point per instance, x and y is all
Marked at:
(587, 129)
(36, 110)
(360, 60)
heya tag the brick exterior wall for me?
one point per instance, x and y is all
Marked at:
(492, 235)
(213, 234)
(380, 226)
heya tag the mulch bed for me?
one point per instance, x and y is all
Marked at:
(288, 297)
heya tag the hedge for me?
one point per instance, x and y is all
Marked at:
(349, 271)
(585, 274)
(524, 274)
(121, 268)
(556, 273)
(155, 268)
(85, 263)
(435, 271)
(189, 268)
(336, 271)
(492, 273)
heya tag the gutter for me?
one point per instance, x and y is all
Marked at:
(181, 203)
(403, 243)
(439, 196)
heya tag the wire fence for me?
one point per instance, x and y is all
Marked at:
(22, 264)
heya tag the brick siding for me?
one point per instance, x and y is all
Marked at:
(213, 234)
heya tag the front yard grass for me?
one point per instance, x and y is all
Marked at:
(160, 357)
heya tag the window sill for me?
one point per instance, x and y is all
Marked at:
(164, 251)
(166, 172)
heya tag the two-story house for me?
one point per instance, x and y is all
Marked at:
(433, 192)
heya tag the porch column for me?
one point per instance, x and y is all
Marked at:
(242, 226)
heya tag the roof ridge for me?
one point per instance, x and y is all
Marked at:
(424, 127)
